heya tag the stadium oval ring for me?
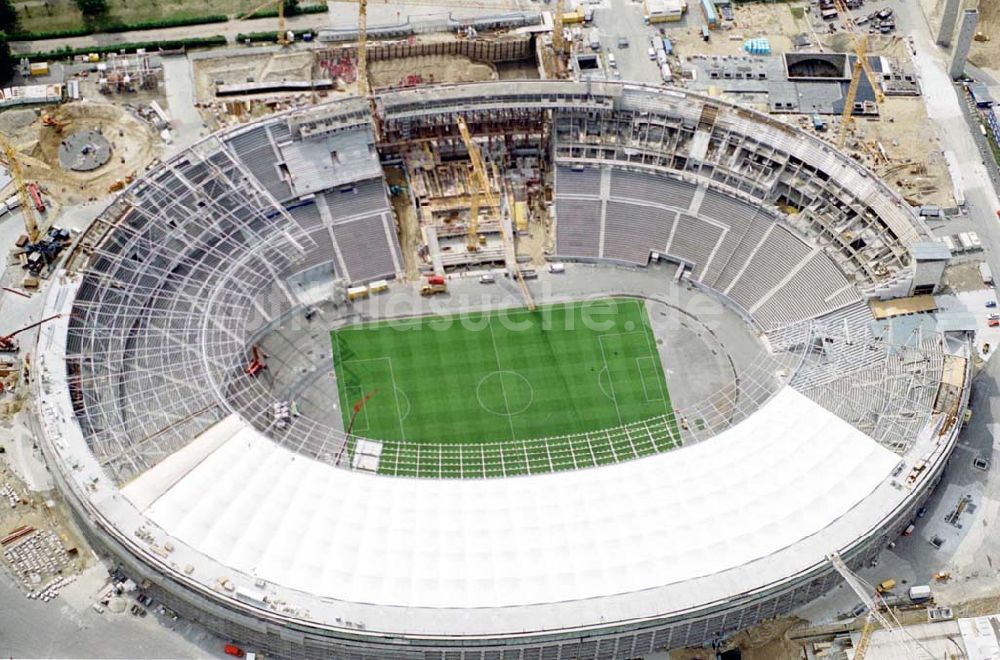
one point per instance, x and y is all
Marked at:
(234, 514)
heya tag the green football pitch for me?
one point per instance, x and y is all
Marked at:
(473, 394)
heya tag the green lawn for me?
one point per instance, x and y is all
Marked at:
(466, 395)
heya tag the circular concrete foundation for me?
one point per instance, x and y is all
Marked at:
(84, 151)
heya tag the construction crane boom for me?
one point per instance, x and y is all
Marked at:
(282, 32)
(479, 170)
(860, 47)
(363, 87)
(27, 206)
(846, 117)
(557, 29)
(877, 612)
(7, 343)
(861, 66)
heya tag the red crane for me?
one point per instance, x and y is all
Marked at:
(7, 343)
(256, 362)
(358, 405)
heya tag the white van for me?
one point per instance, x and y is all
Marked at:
(557, 268)
(611, 60)
(651, 53)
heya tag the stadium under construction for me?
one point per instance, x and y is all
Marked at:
(234, 399)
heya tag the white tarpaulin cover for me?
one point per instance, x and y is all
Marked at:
(759, 487)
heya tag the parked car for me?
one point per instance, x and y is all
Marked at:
(991, 304)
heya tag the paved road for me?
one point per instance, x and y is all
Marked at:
(625, 18)
(341, 14)
(33, 629)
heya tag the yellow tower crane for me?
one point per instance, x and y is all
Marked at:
(861, 66)
(282, 32)
(484, 189)
(27, 206)
(363, 88)
(558, 43)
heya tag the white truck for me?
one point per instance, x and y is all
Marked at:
(986, 273)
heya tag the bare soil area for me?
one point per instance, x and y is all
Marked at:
(134, 145)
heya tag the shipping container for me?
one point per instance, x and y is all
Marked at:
(709, 12)
(571, 17)
(39, 68)
(920, 593)
(594, 39)
(378, 286)
(357, 292)
(435, 279)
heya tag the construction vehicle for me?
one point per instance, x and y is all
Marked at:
(256, 364)
(428, 290)
(282, 33)
(7, 342)
(36, 197)
(52, 122)
(120, 184)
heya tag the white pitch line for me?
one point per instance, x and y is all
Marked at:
(503, 388)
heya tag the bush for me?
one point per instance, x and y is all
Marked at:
(54, 34)
(91, 8)
(110, 25)
(166, 44)
(307, 9)
(176, 21)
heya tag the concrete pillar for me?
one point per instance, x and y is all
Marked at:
(948, 19)
(966, 32)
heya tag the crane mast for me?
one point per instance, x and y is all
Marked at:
(363, 86)
(27, 206)
(484, 189)
(861, 65)
(282, 32)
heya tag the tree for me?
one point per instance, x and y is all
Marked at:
(6, 60)
(92, 8)
(291, 7)
(8, 17)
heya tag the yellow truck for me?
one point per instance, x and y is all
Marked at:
(433, 289)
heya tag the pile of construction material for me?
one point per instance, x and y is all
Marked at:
(882, 21)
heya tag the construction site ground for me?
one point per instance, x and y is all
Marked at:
(45, 511)
(134, 145)
(776, 21)
(249, 65)
(427, 70)
(916, 168)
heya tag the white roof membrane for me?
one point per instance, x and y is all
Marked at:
(759, 487)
